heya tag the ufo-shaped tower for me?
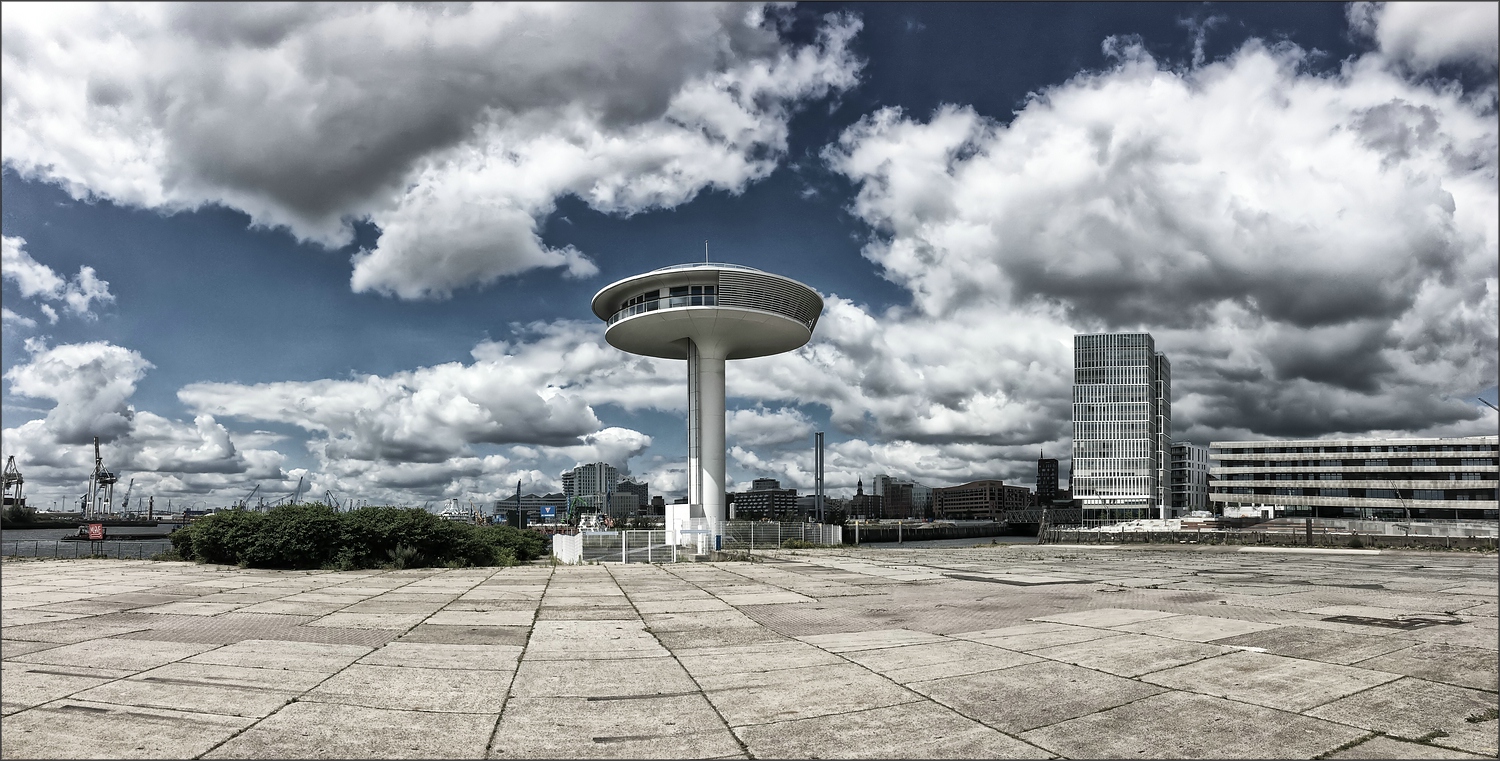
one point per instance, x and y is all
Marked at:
(707, 314)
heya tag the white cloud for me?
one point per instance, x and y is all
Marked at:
(1314, 253)
(11, 318)
(90, 383)
(36, 280)
(1426, 35)
(453, 128)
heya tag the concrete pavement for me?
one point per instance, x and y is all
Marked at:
(1008, 651)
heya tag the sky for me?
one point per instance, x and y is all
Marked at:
(355, 245)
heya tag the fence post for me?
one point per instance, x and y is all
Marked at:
(624, 558)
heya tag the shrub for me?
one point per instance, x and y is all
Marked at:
(316, 536)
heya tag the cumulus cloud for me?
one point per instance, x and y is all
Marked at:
(453, 128)
(90, 383)
(1316, 254)
(38, 281)
(1427, 35)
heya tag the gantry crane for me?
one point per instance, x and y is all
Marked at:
(14, 484)
(100, 479)
(125, 503)
(245, 503)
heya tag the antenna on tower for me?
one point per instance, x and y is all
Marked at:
(705, 251)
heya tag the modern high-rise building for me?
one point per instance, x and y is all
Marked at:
(1046, 480)
(1189, 478)
(764, 500)
(1122, 426)
(640, 489)
(1388, 479)
(591, 482)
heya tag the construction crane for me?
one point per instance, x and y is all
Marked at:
(125, 503)
(246, 501)
(14, 483)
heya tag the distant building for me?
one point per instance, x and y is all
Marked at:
(1046, 480)
(765, 500)
(863, 506)
(979, 500)
(532, 505)
(1376, 478)
(623, 504)
(658, 505)
(640, 489)
(1122, 426)
(591, 483)
(902, 497)
(1189, 478)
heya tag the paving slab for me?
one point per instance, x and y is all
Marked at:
(400, 621)
(325, 730)
(1413, 709)
(1131, 655)
(718, 636)
(760, 656)
(467, 635)
(871, 640)
(440, 656)
(127, 655)
(15, 648)
(192, 694)
(81, 729)
(283, 654)
(915, 730)
(1326, 645)
(1183, 725)
(782, 694)
(1035, 636)
(1385, 747)
(1451, 664)
(1104, 617)
(1268, 680)
(935, 660)
(69, 631)
(1195, 628)
(680, 726)
(415, 689)
(601, 678)
(23, 685)
(1034, 695)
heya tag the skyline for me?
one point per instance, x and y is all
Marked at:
(244, 244)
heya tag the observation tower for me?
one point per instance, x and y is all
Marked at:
(706, 314)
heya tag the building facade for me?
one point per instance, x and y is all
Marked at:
(1122, 426)
(1189, 478)
(1046, 480)
(979, 500)
(591, 483)
(765, 500)
(1372, 479)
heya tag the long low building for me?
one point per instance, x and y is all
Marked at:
(1390, 479)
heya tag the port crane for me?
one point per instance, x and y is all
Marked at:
(14, 483)
(125, 503)
(1487, 404)
(244, 503)
(100, 479)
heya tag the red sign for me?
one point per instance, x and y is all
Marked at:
(96, 531)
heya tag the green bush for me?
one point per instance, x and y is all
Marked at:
(316, 536)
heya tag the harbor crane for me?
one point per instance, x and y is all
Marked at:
(14, 483)
(331, 501)
(100, 480)
(244, 503)
(1487, 404)
(125, 503)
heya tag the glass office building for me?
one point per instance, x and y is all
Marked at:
(1375, 478)
(1122, 427)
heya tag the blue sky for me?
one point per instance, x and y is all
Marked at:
(246, 244)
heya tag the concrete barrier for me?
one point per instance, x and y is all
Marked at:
(873, 533)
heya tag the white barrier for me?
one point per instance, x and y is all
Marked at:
(567, 548)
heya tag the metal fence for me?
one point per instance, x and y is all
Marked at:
(57, 548)
(695, 543)
(765, 535)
